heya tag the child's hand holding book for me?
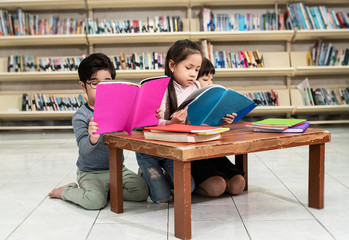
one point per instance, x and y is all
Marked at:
(179, 117)
(229, 118)
(92, 129)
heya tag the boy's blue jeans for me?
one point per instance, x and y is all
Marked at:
(151, 166)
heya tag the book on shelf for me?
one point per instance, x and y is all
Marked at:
(139, 61)
(305, 90)
(51, 102)
(210, 21)
(295, 129)
(122, 106)
(322, 96)
(326, 54)
(226, 59)
(156, 24)
(208, 105)
(183, 133)
(300, 16)
(276, 123)
(21, 23)
(264, 98)
(16, 63)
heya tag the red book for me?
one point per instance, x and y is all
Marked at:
(180, 136)
(182, 128)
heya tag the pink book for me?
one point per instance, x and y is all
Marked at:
(122, 106)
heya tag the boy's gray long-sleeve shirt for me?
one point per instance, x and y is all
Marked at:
(91, 157)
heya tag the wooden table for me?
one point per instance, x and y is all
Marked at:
(239, 141)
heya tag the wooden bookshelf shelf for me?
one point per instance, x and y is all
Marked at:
(320, 109)
(139, 74)
(42, 4)
(36, 127)
(210, 3)
(36, 115)
(38, 76)
(321, 70)
(328, 34)
(271, 110)
(285, 35)
(251, 72)
(136, 38)
(40, 40)
(94, 4)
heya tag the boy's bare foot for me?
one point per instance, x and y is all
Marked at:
(57, 192)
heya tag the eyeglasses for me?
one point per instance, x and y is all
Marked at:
(93, 83)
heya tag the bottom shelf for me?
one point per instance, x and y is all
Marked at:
(35, 127)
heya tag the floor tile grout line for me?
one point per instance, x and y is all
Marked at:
(338, 181)
(93, 225)
(242, 220)
(300, 202)
(31, 212)
(26, 217)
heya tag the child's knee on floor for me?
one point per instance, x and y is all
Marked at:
(135, 189)
(94, 201)
(236, 185)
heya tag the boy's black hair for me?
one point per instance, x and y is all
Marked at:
(178, 52)
(206, 68)
(92, 64)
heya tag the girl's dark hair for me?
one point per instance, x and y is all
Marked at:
(92, 64)
(178, 52)
(206, 68)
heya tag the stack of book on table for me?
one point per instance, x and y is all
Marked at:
(280, 125)
(183, 133)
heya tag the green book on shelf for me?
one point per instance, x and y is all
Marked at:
(287, 122)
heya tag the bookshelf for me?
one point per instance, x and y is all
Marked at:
(281, 75)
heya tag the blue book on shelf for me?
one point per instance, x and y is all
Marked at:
(242, 23)
(323, 53)
(315, 18)
(208, 105)
(301, 16)
(319, 17)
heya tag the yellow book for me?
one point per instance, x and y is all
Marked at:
(309, 59)
(260, 57)
(248, 59)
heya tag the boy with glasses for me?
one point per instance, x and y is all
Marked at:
(92, 189)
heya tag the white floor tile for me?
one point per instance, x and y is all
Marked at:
(275, 207)
(287, 230)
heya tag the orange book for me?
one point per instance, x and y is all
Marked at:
(247, 57)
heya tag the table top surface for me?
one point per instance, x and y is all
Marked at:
(239, 140)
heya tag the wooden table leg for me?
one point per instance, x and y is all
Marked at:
(182, 199)
(241, 162)
(316, 176)
(115, 168)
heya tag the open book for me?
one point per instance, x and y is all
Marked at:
(122, 106)
(208, 105)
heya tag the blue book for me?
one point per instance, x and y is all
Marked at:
(314, 16)
(319, 17)
(242, 26)
(208, 105)
(301, 16)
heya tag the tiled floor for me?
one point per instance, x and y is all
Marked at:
(275, 207)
